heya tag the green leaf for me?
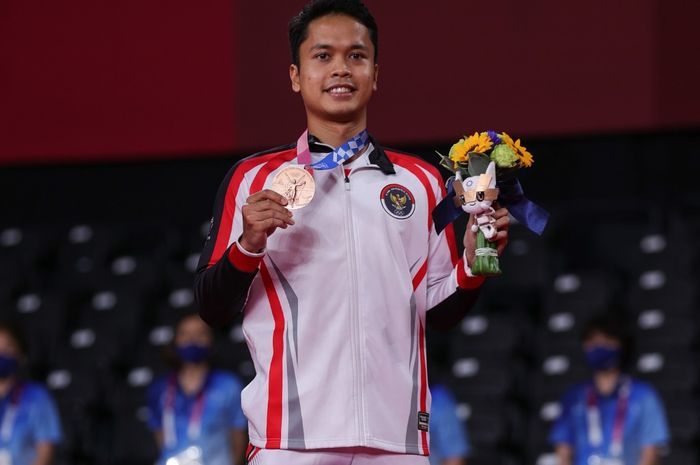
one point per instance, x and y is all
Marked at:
(446, 162)
(478, 163)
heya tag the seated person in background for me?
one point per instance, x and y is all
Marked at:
(195, 412)
(611, 419)
(29, 423)
(448, 437)
(449, 443)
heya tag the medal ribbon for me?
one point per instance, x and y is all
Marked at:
(595, 429)
(8, 419)
(349, 149)
(194, 426)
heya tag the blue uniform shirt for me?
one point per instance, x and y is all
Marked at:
(36, 421)
(221, 413)
(645, 423)
(448, 437)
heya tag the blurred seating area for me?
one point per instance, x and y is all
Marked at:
(97, 263)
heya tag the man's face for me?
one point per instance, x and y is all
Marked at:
(336, 74)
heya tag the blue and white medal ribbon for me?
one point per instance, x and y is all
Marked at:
(338, 156)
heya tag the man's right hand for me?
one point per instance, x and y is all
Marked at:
(263, 212)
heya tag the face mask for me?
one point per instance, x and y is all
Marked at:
(601, 358)
(193, 353)
(8, 366)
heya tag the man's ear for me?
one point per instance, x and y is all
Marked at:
(294, 77)
(376, 77)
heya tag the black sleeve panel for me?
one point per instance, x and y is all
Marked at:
(221, 291)
(450, 311)
(219, 216)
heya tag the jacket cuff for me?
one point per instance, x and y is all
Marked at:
(465, 278)
(243, 260)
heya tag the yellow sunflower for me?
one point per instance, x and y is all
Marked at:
(525, 157)
(458, 152)
(478, 143)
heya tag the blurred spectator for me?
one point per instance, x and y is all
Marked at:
(449, 443)
(448, 437)
(611, 419)
(195, 412)
(30, 426)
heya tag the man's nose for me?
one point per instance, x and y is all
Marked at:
(341, 68)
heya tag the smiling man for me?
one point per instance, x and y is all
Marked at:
(328, 249)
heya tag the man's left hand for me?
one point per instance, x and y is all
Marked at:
(501, 237)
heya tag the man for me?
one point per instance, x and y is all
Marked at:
(612, 419)
(335, 295)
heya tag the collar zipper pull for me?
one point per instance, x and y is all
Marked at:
(347, 178)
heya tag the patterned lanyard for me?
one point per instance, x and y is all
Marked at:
(595, 429)
(8, 419)
(194, 426)
(346, 151)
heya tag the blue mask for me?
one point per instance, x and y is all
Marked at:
(601, 358)
(193, 353)
(8, 366)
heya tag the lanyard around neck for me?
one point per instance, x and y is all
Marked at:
(8, 419)
(593, 416)
(194, 425)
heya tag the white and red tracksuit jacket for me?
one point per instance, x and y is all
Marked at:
(334, 310)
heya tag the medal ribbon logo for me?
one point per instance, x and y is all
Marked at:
(334, 158)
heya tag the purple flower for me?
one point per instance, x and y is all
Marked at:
(495, 138)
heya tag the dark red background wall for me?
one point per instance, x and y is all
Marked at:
(136, 79)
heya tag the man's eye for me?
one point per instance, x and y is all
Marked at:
(356, 56)
(322, 56)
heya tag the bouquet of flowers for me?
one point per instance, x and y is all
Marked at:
(481, 163)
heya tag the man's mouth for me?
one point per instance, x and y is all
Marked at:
(340, 90)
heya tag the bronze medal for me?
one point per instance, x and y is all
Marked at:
(296, 185)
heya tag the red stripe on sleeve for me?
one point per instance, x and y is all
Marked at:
(274, 400)
(452, 243)
(449, 229)
(423, 384)
(270, 166)
(242, 261)
(226, 216)
(229, 207)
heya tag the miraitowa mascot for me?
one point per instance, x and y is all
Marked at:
(475, 195)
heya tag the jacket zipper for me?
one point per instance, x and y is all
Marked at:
(355, 322)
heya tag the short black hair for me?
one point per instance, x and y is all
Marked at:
(608, 324)
(299, 24)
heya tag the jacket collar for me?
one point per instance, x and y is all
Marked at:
(377, 157)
